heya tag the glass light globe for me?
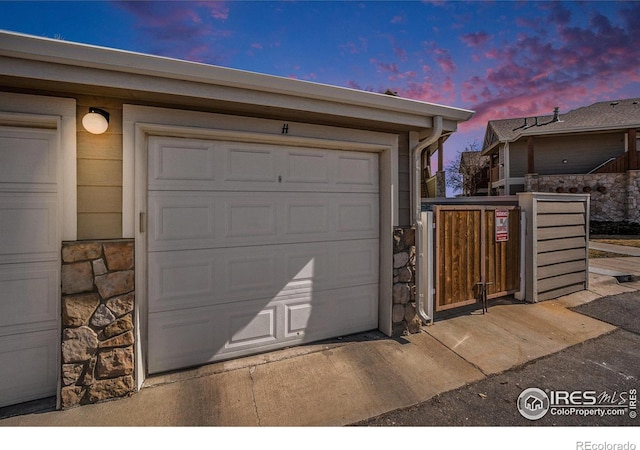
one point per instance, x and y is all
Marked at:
(95, 122)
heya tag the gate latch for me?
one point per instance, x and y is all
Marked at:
(483, 295)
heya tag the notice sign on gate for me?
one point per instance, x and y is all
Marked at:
(502, 225)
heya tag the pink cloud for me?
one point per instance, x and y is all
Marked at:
(475, 39)
(445, 61)
(573, 66)
(355, 47)
(398, 51)
(429, 91)
(218, 10)
(558, 13)
(161, 22)
(389, 68)
(441, 56)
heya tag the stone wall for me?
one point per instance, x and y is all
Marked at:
(97, 321)
(405, 318)
(615, 197)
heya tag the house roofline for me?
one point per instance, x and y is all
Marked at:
(573, 130)
(567, 131)
(30, 48)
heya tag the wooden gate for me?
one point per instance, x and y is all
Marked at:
(475, 246)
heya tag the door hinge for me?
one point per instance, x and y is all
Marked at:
(142, 222)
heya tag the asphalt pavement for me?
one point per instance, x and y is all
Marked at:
(608, 365)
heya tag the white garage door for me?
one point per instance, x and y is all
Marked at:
(253, 247)
(29, 264)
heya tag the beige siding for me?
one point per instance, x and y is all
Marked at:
(99, 225)
(100, 173)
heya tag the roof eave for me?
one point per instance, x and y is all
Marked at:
(487, 151)
(25, 47)
(573, 130)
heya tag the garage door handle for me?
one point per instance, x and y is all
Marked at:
(142, 223)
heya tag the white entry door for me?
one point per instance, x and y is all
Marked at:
(253, 247)
(29, 264)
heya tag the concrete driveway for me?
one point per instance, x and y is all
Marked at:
(348, 380)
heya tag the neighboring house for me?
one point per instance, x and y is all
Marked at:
(474, 170)
(591, 149)
(222, 213)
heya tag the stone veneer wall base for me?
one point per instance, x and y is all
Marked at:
(404, 317)
(97, 321)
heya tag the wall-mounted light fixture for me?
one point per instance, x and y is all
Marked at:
(96, 121)
(564, 161)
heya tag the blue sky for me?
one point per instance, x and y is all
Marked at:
(499, 58)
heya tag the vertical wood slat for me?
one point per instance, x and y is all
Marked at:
(447, 257)
(468, 255)
(454, 258)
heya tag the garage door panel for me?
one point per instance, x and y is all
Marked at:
(357, 169)
(356, 215)
(30, 362)
(189, 162)
(183, 220)
(308, 167)
(29, 227)
(250, 163)
(179, 217)
(252, 272)
(209, 277)
(28, 160)
(195, 336)
(310, 216)
(182, 339)
(29, 299)
(251, 329)
(346, 309)
(192, 164)
(253, 218)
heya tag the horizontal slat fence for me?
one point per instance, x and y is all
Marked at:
(558, 244)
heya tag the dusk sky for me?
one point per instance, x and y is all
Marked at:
(499, 58)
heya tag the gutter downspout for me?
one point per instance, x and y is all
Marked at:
(416, 160)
